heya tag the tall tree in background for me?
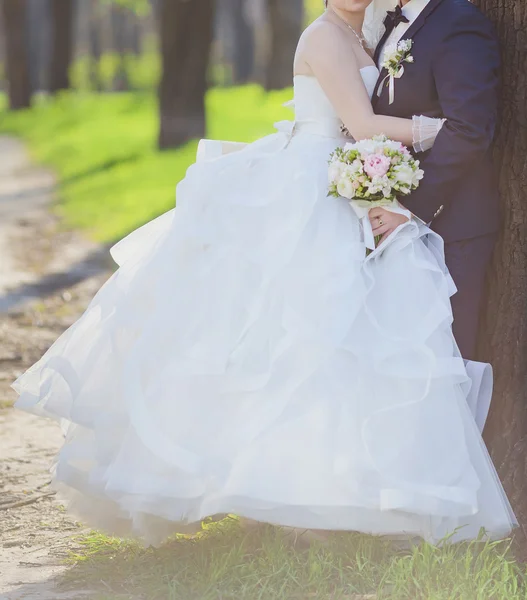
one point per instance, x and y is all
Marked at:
(2, 49)
(95, 45)
(62, 12)
(120, 19)
(186, 38)
(243, 42)
(38, 12)
(505, 330)
(235, 40)
(286, 20)
(17, 53)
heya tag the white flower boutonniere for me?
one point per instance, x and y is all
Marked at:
(394, 60)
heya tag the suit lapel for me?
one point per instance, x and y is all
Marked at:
(380, 44)
(409, 34)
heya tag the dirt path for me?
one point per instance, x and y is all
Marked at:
(47, 277)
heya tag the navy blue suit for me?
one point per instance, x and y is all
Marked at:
(455, 74)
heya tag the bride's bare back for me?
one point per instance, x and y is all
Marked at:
(329, 51)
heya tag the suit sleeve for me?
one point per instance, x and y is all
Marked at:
(466, 73)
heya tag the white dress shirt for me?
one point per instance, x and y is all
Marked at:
(411, 11)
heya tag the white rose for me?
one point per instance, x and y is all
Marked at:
(404, 174)
(393, 145)
(345, 188)
(387, 191)
(418, 175)
(366, 147)
(352, 170)
(357, 166)
(374, 186)
(335, 172)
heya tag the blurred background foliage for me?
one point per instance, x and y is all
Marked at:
(114, 94)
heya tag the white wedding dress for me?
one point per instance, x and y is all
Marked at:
(247, 358)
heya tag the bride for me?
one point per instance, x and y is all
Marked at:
(248, 358)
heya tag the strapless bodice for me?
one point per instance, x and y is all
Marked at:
(314, 113)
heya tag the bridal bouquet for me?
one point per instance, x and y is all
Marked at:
(373, 172)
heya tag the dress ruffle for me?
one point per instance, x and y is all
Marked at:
(247, 358)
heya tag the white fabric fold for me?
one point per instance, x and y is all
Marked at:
(211, 149)
(481, 387)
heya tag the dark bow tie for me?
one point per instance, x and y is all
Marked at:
(394, 18)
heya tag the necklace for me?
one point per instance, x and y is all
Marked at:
(359, 37)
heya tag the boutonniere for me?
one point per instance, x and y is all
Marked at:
(394, 60)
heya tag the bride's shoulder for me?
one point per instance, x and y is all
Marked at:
(323, 35)
(322, 28)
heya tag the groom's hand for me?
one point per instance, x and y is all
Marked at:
(383, 222)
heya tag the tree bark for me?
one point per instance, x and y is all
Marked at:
(504, 331)
(243, 42)
(186, 39)
(286, 19)
(39, 36)
(135, 35)
(120, 21)
(62, 12)
(17, 53)
(2, 37)
(95, 45)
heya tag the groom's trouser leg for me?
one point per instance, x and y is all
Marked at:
(468, 261)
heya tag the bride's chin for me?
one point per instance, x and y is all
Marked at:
(350, 6)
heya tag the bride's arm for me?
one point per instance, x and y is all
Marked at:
(330, 57)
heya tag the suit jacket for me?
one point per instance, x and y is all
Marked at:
(455, 74)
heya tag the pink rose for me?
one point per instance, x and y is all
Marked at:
(377, 165)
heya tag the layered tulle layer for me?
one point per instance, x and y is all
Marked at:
(247, 358)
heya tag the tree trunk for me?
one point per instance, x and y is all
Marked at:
(286, 19)
(17, 53)
(242, 42)
(2, 51)
(62, 15)
(39, 43)
(119, 21)
(186, 38)
(504, 339)
(135, 36)
(95, 45)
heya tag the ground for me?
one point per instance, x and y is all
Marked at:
(47, 276)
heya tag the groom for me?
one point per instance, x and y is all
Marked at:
(455, 74)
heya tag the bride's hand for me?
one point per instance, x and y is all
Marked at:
(383, 222)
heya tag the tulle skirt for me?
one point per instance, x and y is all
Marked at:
(248, 358)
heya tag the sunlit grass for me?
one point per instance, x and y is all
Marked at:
(103, 149)
(226, 562)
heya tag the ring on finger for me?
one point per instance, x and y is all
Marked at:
(381, 222)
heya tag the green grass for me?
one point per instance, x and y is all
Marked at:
(103, 149)
(226, 563)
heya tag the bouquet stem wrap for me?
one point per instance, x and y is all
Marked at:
(362, 210)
